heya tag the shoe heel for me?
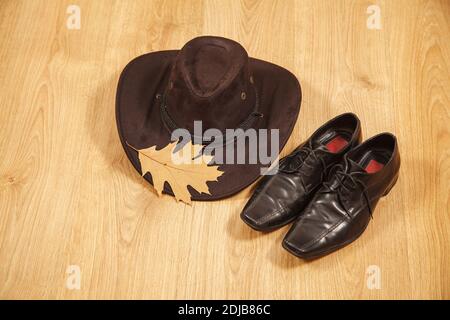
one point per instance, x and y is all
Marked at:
(388, 189)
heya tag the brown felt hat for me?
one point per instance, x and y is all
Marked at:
(211, 79)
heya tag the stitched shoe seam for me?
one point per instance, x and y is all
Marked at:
(322, 235)
(272, 214)
(333, 247)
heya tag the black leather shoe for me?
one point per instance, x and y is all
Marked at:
(279, 198)
(342, 208)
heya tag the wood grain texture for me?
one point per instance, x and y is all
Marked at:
(69, 196)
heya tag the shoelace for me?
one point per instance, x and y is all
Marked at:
(299, 157)
(341, 176)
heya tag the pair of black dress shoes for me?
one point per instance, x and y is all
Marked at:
(329, 185)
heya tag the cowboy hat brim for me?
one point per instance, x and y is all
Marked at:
(140, 124)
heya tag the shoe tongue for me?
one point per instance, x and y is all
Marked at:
(296, 161)
(353, 166)
(324, 153)
(321, 147)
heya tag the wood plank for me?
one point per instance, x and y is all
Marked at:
(69, 196)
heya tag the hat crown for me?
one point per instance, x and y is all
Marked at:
(210, 64)
(210, 82)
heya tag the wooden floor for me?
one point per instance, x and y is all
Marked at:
(69, 196)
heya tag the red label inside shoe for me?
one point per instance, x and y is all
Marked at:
(336, 144)
(373, 166)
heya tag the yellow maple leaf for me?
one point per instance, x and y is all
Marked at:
(179, 169)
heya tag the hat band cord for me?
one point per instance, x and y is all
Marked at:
(171, 125)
